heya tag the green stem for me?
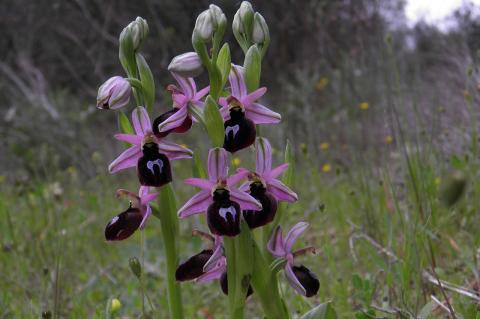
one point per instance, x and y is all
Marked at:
(265, 285)
(235, 300)
(169, 226)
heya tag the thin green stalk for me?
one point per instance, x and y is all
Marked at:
(265, 285)
(169, 226)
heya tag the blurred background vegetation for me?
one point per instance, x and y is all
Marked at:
(378, 110)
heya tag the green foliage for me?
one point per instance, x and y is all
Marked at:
(213, 122)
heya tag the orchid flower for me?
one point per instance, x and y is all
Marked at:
(299, 277)
(206, 265)
(241, 112)
(219, 197)
(125, 224)
(148, 153)
(179, 119)
(265, 187)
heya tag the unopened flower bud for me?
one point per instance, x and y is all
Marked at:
(187, 65)
(245, 12)
(115, 305)
(135, 267)
(138, 30)
(218, 18)
(260, 33)
(204, 26)
(114, 93)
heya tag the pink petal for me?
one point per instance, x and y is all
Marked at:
(200, 182)
(197, 204)
(147, 198)
(214, 259)
(174, 151)
(201, 93)
(245, 201)
(264, 155)
(174, 121)
(260, 114)
(237, 82)
(141, 121)
(281, 191)
(254, 96)
(293, 234)
(234, 179)
(217, 164)
(276, 245)
(293, 281)
(215, 273)
(129, 138)
(148, 212)
(274, 173)
(187, 85)
(225, 112)
(245, 187)
(128, 158)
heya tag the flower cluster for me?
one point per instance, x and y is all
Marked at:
(228, 112)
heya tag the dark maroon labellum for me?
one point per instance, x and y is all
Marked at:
(193, 267)
(308, 280)
(223, 215)
(262, 217)
(186, 125)
(224, 285)
(240, 131)
(124, 225)
(153, 168)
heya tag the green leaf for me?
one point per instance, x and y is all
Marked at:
(224, 63)
(124, 124)
(357, 282)
(322, 311)
(288, 176)
(253, 68)
(148, 83)
(198, 168)
(213, 122)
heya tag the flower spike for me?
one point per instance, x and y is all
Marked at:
(300, 277)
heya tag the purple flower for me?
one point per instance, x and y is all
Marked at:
(241, 112)
(114, 93)
(179, 120)
(125, 224)
(148, 153)
(219, 197)
(299, 277)
(264, 186)
(205, 266)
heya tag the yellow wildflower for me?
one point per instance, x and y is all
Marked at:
(388, 139)
(326, 168)
(236, 161)
(321, 84)
(364, 106)
(324, 146)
